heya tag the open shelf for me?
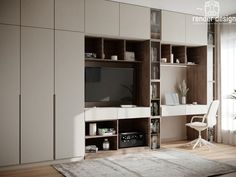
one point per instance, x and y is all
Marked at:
(94, 45)
(114, 47)
(100, 136)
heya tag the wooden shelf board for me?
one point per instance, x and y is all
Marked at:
(109, 60)
(155, 99)
(155, 117)
(100, 136)
(184, 65)
(155, 80)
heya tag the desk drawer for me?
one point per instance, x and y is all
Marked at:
(196, 109)
(177, 110)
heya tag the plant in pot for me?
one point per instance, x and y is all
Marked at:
(233, 95)
(183, 90)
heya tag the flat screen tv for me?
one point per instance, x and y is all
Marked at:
(106, 86)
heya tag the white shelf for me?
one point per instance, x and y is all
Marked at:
(183, 65)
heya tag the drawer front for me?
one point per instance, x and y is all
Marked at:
(173, 110)
(196, 109)
(124, 113)
(96, 114)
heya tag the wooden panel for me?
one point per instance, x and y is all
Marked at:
(102, 17)
(69, 90)
(38, 13)
(197, 75)
(37, 94)
(134, 21)
(9, 94)
(173, 27)
(10, 12)
(93, 114)
(69, 15)
(143, 76)
(196, 32)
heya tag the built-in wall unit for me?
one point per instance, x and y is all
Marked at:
(97, 76)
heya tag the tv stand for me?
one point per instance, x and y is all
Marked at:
(121, 119)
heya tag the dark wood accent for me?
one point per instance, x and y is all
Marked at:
(94, 45)
(110, 63)
(114, 47)
(137, 47)
(166, 51)
(136, 125)
(179, 53)
(197, 75)
(143, 76)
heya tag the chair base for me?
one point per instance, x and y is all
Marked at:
(200, 142)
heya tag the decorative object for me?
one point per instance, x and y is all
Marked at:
(154, 54)
(92, 129)
(91, 149)
(90, 55)
(172, 58)
(234, 97)
(183, 90)
(172, 99)
(106, 145)
(106, 131)
(164, 60)
(154, 142)
(130, 56)
(194, 103)
(114, 57)
(161, 163)
(177, 61)
(154, 91)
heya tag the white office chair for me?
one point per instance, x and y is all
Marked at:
(200, 126)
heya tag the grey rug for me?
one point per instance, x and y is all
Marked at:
(162, 163)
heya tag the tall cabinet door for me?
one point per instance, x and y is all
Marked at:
(9, 94)
(69, 90)
(134, 21)
(37, 94)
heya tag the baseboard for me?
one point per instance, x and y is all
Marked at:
(37, 164)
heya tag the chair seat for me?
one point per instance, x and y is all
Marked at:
(197, 125)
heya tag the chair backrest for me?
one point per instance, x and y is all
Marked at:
(211, 114)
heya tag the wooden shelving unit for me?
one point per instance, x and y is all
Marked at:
(155, 99)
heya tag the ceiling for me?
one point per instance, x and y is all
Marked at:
(196, 7)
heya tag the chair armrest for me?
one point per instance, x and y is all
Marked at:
(197, 117)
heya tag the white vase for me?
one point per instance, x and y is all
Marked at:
(183, 100)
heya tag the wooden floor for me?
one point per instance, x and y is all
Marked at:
(221, 153)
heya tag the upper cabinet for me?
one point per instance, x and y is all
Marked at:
(10, 12)
(69, 15)
(37, 13)
(134, 21)
(196, 32)
(173, 27)
(101, 17)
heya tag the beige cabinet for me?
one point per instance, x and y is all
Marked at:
(134, 21)
(37, 13)
(9, 94)
(10, 12)
(196, 32)
(69, 15)
(69, 91)
(37, 94)
(102, 17)
(173, 27)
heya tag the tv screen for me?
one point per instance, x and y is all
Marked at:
(105, 84)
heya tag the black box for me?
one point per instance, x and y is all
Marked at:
(131, 139)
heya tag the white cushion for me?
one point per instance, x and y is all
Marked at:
(197, 125)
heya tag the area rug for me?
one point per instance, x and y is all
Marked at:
(162, 163)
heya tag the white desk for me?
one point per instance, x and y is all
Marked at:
(183, 110)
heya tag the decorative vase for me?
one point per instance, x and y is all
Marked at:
(183, 100)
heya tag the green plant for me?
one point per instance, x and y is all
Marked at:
(183, 90)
